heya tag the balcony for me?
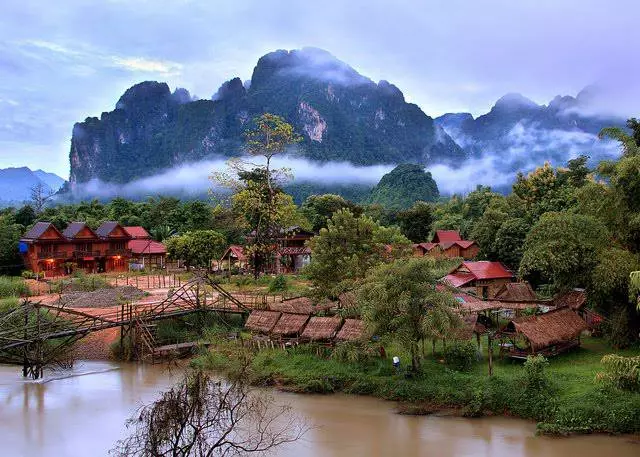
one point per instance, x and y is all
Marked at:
(79, 254)
(53, 255)
(120, 252)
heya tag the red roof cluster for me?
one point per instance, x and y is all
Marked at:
(146, 247)
(446, 236)
(137, 232)
(472, 271)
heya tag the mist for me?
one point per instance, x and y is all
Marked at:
(193, 179)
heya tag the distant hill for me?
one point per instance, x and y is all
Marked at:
(403, 186)
(342, 115)
(16, 184)
(519, 133)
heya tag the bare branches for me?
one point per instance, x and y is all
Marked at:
(40, 193)
(204, 417)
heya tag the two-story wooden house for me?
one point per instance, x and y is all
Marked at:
(47, 250)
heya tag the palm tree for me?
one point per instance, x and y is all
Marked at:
(162, 232)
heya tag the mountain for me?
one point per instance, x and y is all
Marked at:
(52, 180)
(342, 115)
(16, 184)
(403, 186)
(519, 134)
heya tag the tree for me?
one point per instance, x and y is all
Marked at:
(319, 208)
(10, 233)
(197, 248)
(508, 245)
(203, 417)
(40, 193)
(416, 222)
(258, 194)
(563, 248)
(162, 233)
(347, 249)
(399, 299)
(25, 216)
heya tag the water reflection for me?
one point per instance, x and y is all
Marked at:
(84, 414)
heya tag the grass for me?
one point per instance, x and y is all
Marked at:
(11, 286)
(570, 402)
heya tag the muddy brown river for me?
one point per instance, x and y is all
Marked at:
(82, 413)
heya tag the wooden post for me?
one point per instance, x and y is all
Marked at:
(490, 344)
(25, 362)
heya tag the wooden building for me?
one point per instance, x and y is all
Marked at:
(47, 250)
(484, 278)
(145, 252)
(548, 334)
(447, 243)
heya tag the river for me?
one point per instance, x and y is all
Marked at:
(82, 413)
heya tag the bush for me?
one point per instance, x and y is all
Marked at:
(620, 372)
(13, 287)
(278, 284)
(535, 377)
(460, 355)
(617, 329)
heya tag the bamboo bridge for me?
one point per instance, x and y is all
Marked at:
(36, 335)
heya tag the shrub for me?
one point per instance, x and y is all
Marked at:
(460, 355)
(535, 377)
(620, 372)
(278, 284)
(13, 287)
(617, 329)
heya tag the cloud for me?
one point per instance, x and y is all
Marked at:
(193, 179)
(140, 64)
(86, 57)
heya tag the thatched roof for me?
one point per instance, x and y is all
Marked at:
(262, 321)
(352, 330)
(299, 305)
(574, 299)
(347, 299)
(557, 326)
(516, 291)
(290, 324)
(321, 328)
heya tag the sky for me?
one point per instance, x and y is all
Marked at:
(63, 61)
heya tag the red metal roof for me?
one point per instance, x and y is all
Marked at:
(464, 244)
(147, 247)
(443, 236)
(137, 232)
(459, 279)
(487, 270)
(235, 251)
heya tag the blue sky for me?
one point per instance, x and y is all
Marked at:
(63, 61)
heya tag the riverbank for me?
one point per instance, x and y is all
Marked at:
(572, 402)
(60, 417)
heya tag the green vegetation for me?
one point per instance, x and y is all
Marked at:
(403, 186)
(196, 248)
(562, 394)
(345, 251)
(13, 287)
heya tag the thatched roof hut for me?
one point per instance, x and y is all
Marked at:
(321, 328)
(352, 330)
(299, 305)
(574, 299)
(262, 321)
(516, 291)
(290, 325)
(548, 333)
